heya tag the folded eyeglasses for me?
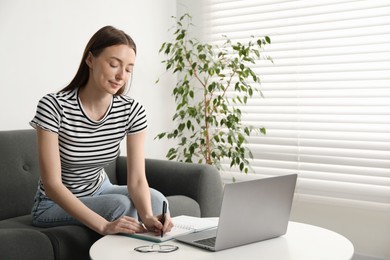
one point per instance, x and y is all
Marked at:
(156, 248)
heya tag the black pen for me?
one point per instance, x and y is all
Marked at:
(164, 211)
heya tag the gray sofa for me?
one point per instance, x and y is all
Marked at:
(191, 189)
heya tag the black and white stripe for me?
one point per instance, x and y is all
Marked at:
(86, 146)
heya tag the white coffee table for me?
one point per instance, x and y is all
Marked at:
(301, 242)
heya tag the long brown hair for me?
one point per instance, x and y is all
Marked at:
(103, 38)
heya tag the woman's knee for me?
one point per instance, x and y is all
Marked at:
(113, 206)
(122, 206)
(157, 199)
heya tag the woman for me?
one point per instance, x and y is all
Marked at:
(79, 131)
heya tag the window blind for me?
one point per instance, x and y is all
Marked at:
(326, 104)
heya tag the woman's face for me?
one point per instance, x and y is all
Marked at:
(111, 69)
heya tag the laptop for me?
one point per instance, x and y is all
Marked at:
(251, 211)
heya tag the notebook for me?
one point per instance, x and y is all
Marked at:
(182, 225)
(251, 211)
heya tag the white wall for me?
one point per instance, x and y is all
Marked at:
(42, 43)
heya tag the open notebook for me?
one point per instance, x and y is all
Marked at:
(182, 225)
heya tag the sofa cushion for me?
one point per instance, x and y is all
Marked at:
(21, 244)
(18, 222)
(67, 242)
(71, 242)
(19, 172)
(183, 205)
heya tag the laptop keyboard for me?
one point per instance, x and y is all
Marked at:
(207, 241)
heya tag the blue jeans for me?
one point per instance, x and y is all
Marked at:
(110, 201)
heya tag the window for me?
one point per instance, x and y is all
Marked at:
(327, 94)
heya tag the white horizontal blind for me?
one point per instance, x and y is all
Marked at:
(326, 102)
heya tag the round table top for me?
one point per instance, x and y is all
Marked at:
(302, 241)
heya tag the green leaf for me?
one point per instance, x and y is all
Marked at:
(241, 166)
(181, 35)
(241, 138)
(168, 48)
(160, 136)
(202, 56)
(171, 157)
(211, 87)
(230, 140)
(250, 154)
(232, 163)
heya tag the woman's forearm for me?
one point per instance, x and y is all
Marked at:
(140, 195)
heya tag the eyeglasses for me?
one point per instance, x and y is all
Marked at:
(156, 248)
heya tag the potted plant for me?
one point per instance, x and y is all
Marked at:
(212, 83)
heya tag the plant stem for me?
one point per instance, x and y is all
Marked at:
(207, 155)
(207, 136)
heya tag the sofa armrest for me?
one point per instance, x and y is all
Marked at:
(25, 244)
(198, 181)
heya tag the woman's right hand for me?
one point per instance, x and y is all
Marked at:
(125, 225)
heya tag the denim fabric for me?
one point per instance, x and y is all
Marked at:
(110, 201)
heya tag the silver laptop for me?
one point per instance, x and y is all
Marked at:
(251, 211)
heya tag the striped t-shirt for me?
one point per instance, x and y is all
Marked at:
(87, 146)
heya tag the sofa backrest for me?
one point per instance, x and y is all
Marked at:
(19, 172)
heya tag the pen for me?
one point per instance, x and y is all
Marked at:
(164, 211)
